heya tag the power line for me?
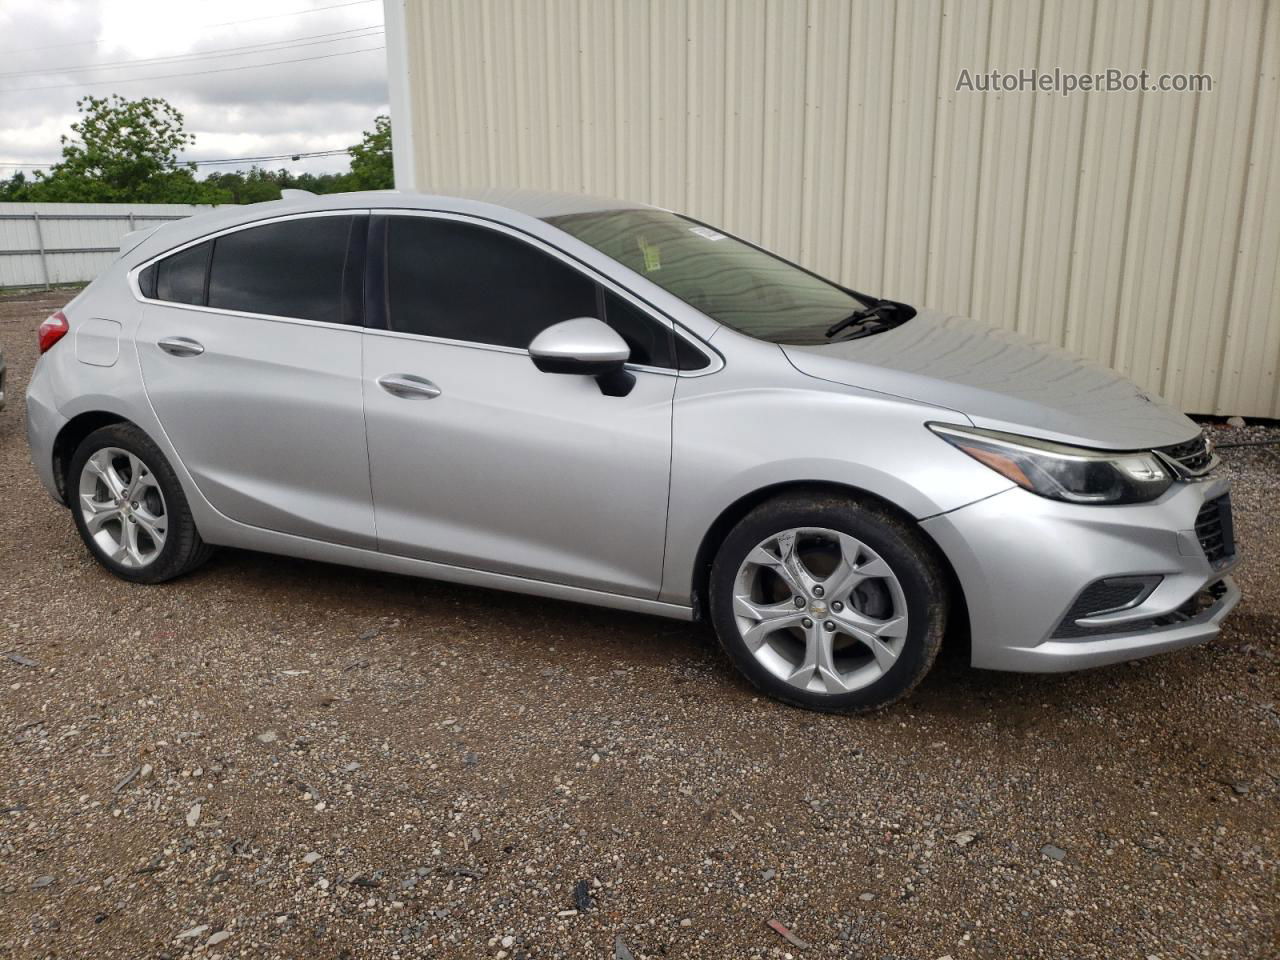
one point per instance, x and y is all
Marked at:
(219, 52)
(301, 155)
(277, 16)
(191, 73)
(206, 26)
(282, 156)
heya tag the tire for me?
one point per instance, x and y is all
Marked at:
(861, 570)
(141, 531)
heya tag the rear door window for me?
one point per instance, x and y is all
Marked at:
(293, 268)
(311, 268)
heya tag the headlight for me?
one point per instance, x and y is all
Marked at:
(1061, 472)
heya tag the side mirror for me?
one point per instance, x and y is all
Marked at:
(586, 347)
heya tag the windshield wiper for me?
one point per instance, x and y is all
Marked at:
(874, 312)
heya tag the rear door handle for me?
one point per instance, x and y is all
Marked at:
(408, 387)
(181, 346)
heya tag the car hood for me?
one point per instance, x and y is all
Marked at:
(1000, 380)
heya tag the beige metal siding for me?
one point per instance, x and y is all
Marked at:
(1142, 230)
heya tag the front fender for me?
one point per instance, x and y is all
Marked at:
(730, 444)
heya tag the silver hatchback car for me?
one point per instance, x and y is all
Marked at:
(608, 402)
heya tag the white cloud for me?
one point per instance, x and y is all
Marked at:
(240, 110)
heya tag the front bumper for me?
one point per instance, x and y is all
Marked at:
(1023, 560)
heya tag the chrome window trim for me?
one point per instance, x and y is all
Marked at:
(715, 362)
(498, 348)
(296, 321)
(136, 289)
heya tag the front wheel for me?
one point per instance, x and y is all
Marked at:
(828, 603)
(129, 507)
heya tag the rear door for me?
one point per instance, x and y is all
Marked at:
(250, 351)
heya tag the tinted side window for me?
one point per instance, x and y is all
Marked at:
(464, 282)
(181, 278)
(689, 357)
(147, 281)
(650, 342)
(289, 269)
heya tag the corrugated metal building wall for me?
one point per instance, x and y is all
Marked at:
(77, 239)
(1140, 229)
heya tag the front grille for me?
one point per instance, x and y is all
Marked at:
(1195, 455)
(1215, 530)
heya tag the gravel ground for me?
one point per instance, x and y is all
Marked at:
(279, 758)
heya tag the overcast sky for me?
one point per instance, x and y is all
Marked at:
(238, 111)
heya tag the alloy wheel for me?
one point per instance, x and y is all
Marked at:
(122, 507)
(820, 610)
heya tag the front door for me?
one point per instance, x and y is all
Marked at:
(479, 460)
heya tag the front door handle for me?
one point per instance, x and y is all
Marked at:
(408, 387)
(181, 346)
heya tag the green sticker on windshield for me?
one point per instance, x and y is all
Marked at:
(652, 256)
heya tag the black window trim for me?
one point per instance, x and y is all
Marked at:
(376, 287)
(135, 273)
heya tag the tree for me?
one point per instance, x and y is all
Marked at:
(123, 151)
(251, 186)
(126, 151)
(257, 184)
(15, 188)
(371, 158)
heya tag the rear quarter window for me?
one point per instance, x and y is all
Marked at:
(180, 278)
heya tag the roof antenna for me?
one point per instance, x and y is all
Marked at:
(295, 194)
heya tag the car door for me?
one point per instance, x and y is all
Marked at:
(478, 459)
(249, 344)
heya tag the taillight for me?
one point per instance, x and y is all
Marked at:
(52, 330)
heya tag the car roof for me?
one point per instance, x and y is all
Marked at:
(541, 204)
(508, 205)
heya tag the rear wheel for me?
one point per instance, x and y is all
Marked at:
(827, 603)
(129, 507)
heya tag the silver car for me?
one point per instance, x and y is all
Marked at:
(608, 402)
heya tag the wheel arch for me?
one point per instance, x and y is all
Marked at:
(71, 435)
(958, 623)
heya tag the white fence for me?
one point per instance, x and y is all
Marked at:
(44, 244)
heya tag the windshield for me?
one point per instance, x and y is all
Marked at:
(737, 284)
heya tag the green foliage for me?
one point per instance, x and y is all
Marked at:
(122, 150)
(126, 151)
(258, 184)
(371, 158)
(14, 188)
